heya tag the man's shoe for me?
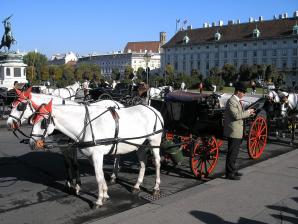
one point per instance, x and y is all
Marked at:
(233, 177)
(237, 174)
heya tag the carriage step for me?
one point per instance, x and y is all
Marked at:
(150, 197)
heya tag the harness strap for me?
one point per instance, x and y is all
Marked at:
(88, 121)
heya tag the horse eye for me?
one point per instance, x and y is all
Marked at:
(21, 106)
(43, 124)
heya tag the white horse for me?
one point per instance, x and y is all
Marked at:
(159, 92)
(118, 131)
(289, 104)
(69, 92)
(23, 108)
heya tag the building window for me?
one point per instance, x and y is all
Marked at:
(264, 60)
(17, 72)
(191, 65)
(168, 59)
(284, 42)
(295, 52)
(274, 52)
(225, 62)
(255, 53)
(7, 71)
(235, 45)
(226, 45)
(216, 63)
(284, 64)
(207, 55)
(176, 65)
(254, 61)
(191, 57)
(235, 54)
(198, 56)
(264, 53)
(207, 65)
(284, 52)
(216, 55)
(295, 41)
(225, 54)
(168, 49)
(264, 43)
(245, 61)
(216, 46)
(184, 66)
(274, 62)
(245, 54)
(255, 43)
(294, 64)
(207, 47)
(274, 42)
(199, 64)
(235, 63)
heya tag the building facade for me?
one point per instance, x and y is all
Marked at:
(133, 55)
(272, 42)
(61, 59)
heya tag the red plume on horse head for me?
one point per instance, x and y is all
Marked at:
(27, 93)
(48, 107)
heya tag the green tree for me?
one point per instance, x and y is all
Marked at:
(128, 73)
(244, 73)
(86, 70)
(229, 74)
(169, 74)
(35, 62)
(115, 74)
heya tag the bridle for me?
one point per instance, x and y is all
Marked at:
(21, 104)
(46, 118)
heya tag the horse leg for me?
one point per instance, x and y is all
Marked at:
(156, 154)
(68, 166)
(97, 158)
(141, 153)
(116, 168)
(105, 189)
(293, 131)
(76, 171)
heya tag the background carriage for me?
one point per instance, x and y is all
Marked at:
(194, 129)
(123, 92)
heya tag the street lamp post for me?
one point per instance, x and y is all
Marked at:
(147, 58)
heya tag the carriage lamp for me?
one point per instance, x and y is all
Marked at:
(147, 58)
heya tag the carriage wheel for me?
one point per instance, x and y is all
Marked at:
(105, 96)
(257, 138)
(204, 156)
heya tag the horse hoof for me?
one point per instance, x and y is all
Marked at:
(105, 199)
(113, 181)
(156, 193)
(96, 206)
(135, 190)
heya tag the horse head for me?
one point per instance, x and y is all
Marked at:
(22, 109)
(43, 125)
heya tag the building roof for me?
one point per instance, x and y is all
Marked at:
(138, 47)
(270, 29)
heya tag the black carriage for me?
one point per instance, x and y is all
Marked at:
(123, 92)
(194, 128)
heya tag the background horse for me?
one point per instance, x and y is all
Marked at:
(69, 92)
(118, 131)
(289, 111)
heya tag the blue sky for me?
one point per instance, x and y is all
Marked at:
(58, 26)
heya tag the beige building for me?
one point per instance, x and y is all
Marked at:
(133, 55)
(258, 41)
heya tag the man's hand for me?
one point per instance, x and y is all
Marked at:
(251, 112)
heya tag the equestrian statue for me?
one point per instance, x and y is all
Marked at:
(7, 38)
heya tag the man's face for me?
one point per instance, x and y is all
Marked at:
(240, 94)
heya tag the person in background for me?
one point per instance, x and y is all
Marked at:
(201, 87)
(253, 88)
(114, 84)
(214, 88)
(85, 86)
(182, 87)
(233, 129)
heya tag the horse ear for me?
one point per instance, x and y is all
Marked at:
(48, 107)
(27, 93)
